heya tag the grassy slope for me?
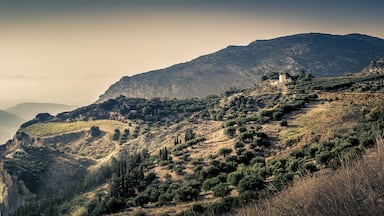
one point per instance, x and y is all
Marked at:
(355, 189)
(55, 128)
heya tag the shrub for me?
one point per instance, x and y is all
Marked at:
(179, 169)
(225, 151)
(116, 135)
(230, 131)
(277, 115)
(218, 208)
(187, 192)
(210, 183)
(245, 157)
(197, 208)
(297, 154)
(234, 178)
(238, 145)
(95, 131)
(242, 129)
(221, 190)
(251, 183)
(229, 123)
(284, 123)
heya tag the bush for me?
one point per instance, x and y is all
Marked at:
(245, 157)
(230, 131)
(238, 145)
(251, 183)
(210, 183)
(297, 154)
(284, 123)
(242, 129)
(198, 208)
(229, 123)
(221, 190)
(225, 151)
(234, 178)
(277, 115)
(95, 131)
(223, 206)
(187, 192)
(179, 169)
(116, 135)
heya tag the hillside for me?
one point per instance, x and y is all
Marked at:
(375, 67)
(355, 189)
(30, 110)
(243, 66)
(9, 123)
(192, 156)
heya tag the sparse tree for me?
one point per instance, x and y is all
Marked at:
(189, 135)
(116, 135)
(225, 151)
(95, 131)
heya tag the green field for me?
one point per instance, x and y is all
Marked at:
(52, 128)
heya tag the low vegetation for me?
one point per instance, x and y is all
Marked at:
(357, 188)
(264, 142)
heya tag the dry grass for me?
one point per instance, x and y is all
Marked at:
(355, 189)
(54, 128)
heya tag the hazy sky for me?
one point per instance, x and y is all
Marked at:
(71, 52)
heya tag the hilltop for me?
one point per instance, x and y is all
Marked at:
(243, 66)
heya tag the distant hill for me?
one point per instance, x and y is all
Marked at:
(9, 123)
(30, 110)
(242, 66)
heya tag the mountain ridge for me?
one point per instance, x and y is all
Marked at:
(242, 66)
(28, 110)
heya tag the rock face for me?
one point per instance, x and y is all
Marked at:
(375, 67)
(13, 192)
(241, 66)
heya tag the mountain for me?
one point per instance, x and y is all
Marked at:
(30, 110)
(8, 118)
(9, 123)
(195, 156)
(242, 66)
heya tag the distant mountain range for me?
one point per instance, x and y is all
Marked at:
(30, 110)
(11, 118)
(242, 66)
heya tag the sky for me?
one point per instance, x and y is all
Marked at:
(71, 51)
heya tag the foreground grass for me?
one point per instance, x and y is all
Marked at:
(355, 189)
(53, 128)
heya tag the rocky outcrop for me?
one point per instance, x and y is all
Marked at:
(35, 167)
(375, 67)
(13, 192)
